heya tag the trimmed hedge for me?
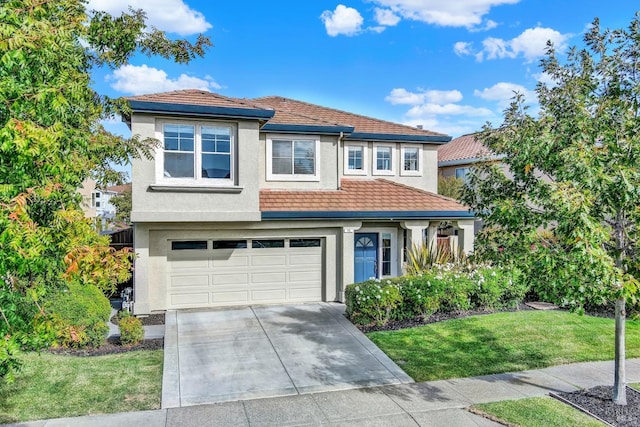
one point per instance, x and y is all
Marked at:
(80, 314)
(443, 288)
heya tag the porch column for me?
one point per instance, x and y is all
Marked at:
(141, 294)
(415, 232)
(432, 234)
(466, 235)
(347, 256)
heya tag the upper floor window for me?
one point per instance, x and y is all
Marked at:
(197, 153)
(383, 160)
(355, 159)
(292, 159)
(411, 160)
(462, 173)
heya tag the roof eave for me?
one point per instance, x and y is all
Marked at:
(457, 162)
(386, 215)
(384, 137)
(324, 130)
(200, 110)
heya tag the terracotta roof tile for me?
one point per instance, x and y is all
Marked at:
(120, 188)
(362, 124)
(196, 97)
(461, 148)
(358, 195)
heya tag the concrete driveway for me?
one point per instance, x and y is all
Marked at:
(266, 351)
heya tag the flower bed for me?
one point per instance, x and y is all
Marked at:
(442, 288)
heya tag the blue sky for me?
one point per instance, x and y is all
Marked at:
(450, 65)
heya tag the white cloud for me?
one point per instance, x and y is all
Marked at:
(403, 96)
(463, 48)
(173, 16)
(503, 93)
(343, 20)
(386, 17)
(136, 80)
(458, 13)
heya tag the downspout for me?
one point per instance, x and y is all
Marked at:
(338, 158)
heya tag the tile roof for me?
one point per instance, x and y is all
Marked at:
(358, 195)
(196, 97)
(462, 148)
(362, 124)
(120, 188)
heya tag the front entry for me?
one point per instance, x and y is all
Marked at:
(366, 256)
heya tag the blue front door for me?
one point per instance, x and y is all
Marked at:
(366, 256)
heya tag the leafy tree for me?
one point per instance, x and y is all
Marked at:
(450, 186)
(122, 203)
(570, 214)
(51, 138)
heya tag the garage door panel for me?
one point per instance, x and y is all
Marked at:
(190, 299)
(231, 297)
(231, 279)
(305, 293)
(305, 276)
(189, 281)
(306, 259)
(276, 277)
(269, 295)
(244, 276)
(268, 260)
(230, 261)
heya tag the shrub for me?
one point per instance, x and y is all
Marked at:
(372, 301)
(131, 330)
(80, 314)
(10, 364)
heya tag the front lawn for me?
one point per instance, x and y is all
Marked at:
(53, 386)
(537, 412)
(502, 342)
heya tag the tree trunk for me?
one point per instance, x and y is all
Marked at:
(619, 384)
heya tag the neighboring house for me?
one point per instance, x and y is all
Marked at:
(457, 157)
(273, 200)
(96, 203)
(87, 190)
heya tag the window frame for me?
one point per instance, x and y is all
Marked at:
(392, 160)
(197, 180)
(465, 173)
(403, 152)
(365, 158)
(293, 176)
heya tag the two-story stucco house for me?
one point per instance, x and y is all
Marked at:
(273, 200)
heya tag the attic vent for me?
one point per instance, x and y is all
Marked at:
(420, 126)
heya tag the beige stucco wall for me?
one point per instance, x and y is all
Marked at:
(196, 204)
(86, 190)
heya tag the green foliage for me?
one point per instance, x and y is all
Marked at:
(10, 364)
(80, 314)
(51, 139)
(450, 186)
(442, 288)
(422, 257)
(372, 301)
(131, 330)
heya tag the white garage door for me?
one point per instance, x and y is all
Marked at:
(214, 273)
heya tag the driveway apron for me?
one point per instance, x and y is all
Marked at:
(266, 351)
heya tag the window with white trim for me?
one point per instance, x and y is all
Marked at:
(411, 160)
(383, 161)
(292, 158)
(197, 153)
(355, 159)
(462, 173)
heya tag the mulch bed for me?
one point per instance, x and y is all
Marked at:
(111, 346)
(395, 325)
(598, 401)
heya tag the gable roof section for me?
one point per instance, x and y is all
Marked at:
(360, 198)
(196, 102)
(462, 150)
(363, 127)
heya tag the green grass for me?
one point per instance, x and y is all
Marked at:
(537, 412)
(502, 342)
(53, 386)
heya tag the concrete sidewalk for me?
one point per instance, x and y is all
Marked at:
(435, 403)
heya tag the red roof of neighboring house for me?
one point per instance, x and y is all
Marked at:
(358, 195)
(120, 188)
(195, 97)
(362, 124)
(462, 148)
